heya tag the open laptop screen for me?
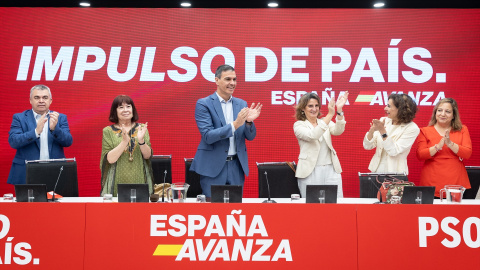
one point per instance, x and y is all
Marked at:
(313, 193)
(220, 192)
(125, 192)
(410, 195)
(39, 192)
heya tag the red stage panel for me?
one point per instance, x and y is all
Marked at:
(164, 59)
(307, 236)
(42, 235)
(418, 237)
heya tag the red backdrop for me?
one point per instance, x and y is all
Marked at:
(426, 53)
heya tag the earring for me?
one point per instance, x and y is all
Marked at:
(303, 112)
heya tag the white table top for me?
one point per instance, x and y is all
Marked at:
(259, 200)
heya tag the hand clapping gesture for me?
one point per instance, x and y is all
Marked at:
(341, 101)
(241, 118)
(41, 123)
(125, 137)
(377, 125)
(331, 107)
(141, 132)
(53, 120)
(254, 112)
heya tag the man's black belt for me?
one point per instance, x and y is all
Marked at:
(230, 158)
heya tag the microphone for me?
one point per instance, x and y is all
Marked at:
(55, 188)
(164, 177)
(268, 189)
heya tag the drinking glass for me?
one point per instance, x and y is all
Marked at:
(133, 195)
(226, 196)
(30, 195)
(418, 200)
(321, 196)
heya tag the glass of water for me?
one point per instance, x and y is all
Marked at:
(418, 200)
(226, 196)
(133, 195)
(30, 195)
(321, 196)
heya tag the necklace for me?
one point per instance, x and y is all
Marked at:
(131, 143)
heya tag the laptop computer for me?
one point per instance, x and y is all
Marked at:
(410, 194)
(234, 193)
(39, 192)
(125, 191)
(313, 193)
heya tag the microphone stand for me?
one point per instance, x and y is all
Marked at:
(163, 193)
(55, 188)
(268, 189)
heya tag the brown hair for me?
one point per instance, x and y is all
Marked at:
(456, 124)
(117, 102)
(407, 108)
(302, 104)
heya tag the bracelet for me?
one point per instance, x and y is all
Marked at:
(141, 143)
(436, 148)
(248, 122)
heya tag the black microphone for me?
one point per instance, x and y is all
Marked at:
(268, 189)
(55, 188)
(164, 177)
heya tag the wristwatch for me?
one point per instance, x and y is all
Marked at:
(384, 135)
(340, 113)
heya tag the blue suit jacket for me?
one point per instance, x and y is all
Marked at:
(22, 137)
(212, 151)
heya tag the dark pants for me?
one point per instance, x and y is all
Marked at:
(231, 174)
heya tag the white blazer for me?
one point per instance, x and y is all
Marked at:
(309, 141)
(397, 146)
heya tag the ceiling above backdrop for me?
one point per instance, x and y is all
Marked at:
(247, 3)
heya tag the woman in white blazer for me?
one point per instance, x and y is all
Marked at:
(392, 136)
(318, 163)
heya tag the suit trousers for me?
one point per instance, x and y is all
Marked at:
(321, 175)
(231, 174)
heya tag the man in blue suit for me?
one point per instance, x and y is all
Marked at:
(37, 134)
(224, 123)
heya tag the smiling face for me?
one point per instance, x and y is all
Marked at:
(391, 110)
(226, 84)
(125, 112)
(444, 114)
(40, 100)
(312, 110)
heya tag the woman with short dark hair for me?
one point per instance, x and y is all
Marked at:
(443, 145)
(392, 136)
(126, 149)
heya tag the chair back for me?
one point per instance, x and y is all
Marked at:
(474, 177)
(281, 178)
(160, 164)
(47, 172)
(193, 179)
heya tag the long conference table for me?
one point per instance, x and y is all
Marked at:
(85, 233)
